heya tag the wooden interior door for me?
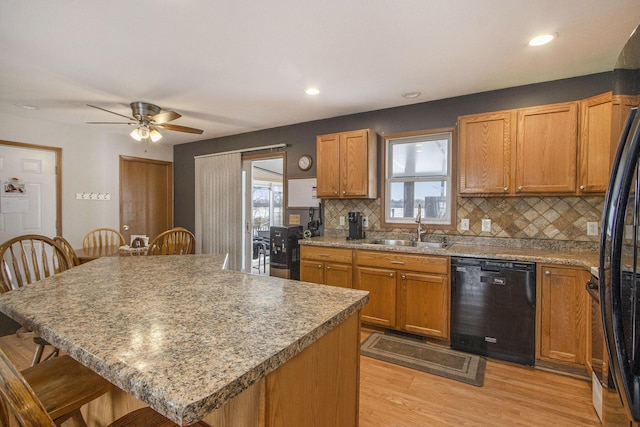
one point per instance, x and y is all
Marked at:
(146, 196)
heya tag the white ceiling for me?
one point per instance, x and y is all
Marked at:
(236, 66)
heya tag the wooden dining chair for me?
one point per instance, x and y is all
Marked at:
(27, 259)
(53, 392)
(101, 237)
(58, 387)
(71, 253)
(176, 241)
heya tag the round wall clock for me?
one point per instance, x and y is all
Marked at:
(305, 162)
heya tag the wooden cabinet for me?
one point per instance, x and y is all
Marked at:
(546, 149)
(347, 165)
(485, 153)
(327, 266)
(517, 152)
(562, 314)
(406, 292)
(424, 304)
(381, 284)
(596, 140)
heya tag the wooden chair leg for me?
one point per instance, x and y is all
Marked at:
(37, 356)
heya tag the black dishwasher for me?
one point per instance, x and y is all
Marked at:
(493, 308)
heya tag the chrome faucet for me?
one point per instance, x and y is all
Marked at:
(419, 231)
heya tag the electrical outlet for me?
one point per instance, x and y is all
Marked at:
(592, 228)
(464, 224)
(342, 220)
(486, 225)
(365, 221)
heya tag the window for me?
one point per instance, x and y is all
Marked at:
(418, 172)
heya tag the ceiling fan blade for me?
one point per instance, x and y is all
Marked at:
(112, 112)
(111, 123)
(179, 128)
(165, 116)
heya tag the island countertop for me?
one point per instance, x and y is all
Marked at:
(178, 332)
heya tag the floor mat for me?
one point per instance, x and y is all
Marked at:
(433, 359)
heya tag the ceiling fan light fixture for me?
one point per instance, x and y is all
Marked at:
(135, 134)
(155, 135)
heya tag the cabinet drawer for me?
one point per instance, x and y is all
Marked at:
(397, 261)
(320, 253)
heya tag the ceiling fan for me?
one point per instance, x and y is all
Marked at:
(148, 118)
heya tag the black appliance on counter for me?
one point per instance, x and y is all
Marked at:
(493, 308)
(619, 267)
(284, 251)
(356, 232)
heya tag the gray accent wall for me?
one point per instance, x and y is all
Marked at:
(301, 137)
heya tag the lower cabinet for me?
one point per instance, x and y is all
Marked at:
(406, 292)
(327, 266)
(562, 314)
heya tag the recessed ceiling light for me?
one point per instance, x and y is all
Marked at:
(410, 95)
(312, 91)
(542, 39)
(27, 106)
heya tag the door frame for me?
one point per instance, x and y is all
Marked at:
(58, 167)
(248, 202)
(165, 163)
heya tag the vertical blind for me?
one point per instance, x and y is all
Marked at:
(218, 206)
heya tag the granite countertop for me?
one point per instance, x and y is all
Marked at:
(586, 259)
(178, 332)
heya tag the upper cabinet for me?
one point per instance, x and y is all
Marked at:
(347, 165)
(595, 144)
(484, 162)
(546, 149)
(552, 149)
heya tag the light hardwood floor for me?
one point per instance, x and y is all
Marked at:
(393, 396)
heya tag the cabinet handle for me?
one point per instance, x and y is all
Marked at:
(582, 188)
(328, 268)
(506, 189)
(319, 265)
(547, 272)
(403, 277)
(397, 262)
(390, 274)
(344, 192)
(335, 192)
(520, 188)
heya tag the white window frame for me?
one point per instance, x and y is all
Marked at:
(427, 135)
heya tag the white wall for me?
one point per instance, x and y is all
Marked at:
(90, 163)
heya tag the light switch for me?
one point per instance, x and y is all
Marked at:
(342, 220)
(464, 224)
(486, 225)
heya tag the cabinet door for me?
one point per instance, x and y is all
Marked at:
(546, 149)
(381, 284)
(595, 144)
(311, 271)
(354, 164)
(562, 314)
(485, 163)
(328, 165)
(338, 275)
(424, 304)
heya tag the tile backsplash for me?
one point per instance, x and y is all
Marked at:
(554, 218)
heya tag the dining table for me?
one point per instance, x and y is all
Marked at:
(192, 340)
(95, 252)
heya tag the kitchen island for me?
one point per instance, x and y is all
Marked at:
(194, 341)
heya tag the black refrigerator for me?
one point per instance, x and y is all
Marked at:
(619, 269)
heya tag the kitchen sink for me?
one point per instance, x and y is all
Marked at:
(411, 243)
